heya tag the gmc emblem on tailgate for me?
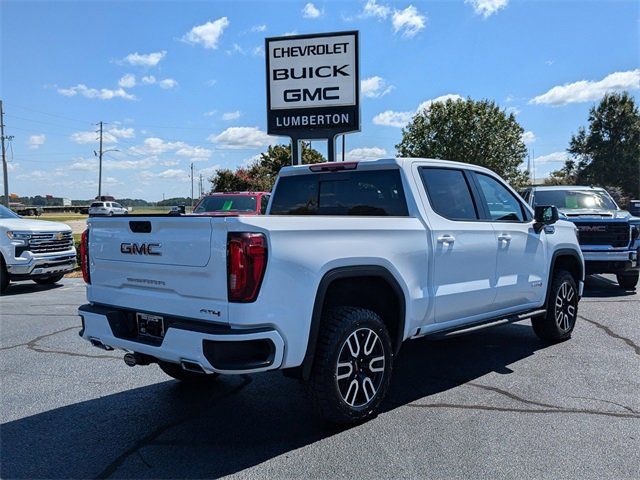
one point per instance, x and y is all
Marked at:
(594, 228)
(140, 249)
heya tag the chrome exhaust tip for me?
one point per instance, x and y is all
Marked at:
(190, 366)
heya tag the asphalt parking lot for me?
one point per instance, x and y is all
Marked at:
(496, 403)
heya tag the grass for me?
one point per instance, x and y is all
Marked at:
(60, 218)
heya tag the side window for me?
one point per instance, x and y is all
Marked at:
(264, 201)
(500, 202)
(117, 205)
(449, 193)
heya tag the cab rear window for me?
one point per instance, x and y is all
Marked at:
(367, 193)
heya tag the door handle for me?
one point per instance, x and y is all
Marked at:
(504, 237)
(446, 239)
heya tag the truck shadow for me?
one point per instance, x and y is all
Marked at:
(599, 286)
(165, 430)
(22, 288)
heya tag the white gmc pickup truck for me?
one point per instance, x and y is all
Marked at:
(351, 260)
(34, 250)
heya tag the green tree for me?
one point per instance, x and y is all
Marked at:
(262, 173)
(608, 151)
(470, 131)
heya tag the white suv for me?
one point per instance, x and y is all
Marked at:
(107, 208)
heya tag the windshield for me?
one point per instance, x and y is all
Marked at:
(227, 203)
(6, 213)
(575, 199)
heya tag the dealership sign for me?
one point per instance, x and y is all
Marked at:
(312, 85)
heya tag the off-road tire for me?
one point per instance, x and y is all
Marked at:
(49, 280)
(339, 326)
(628, 281)
(562, 309)
(4, 276)
(190, 378)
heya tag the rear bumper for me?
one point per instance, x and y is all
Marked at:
(40, 266)
(209, 346)
(611, 261)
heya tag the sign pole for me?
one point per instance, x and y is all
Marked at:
(295, 151)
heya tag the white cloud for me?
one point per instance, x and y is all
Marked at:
(173, 173)
(528, 137)
(167, 83)
(259, 28)
(366, 153)
(242, 137)
(391, 118)
(127, 81)
(102, 93)
(442, 98)
(144, 60)
(157, 146)
(36, 141)
(85, 165)
(231, 115)
(311, 11)
(374, 9)
(211, 82)
(555, 157)
(149, 80)
(258, 51)
(235, 48)
(210, 113)
(288, 34)
(486, 8)
(109, 135)
(514, 110)
(588, 90)
(194, 153)
(208, 34)
(375, 87)
(408, 21)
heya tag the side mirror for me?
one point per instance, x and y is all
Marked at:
(545, 215)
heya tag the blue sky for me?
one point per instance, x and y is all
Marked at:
(178, 82)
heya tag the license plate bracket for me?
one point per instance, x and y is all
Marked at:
(151, 326)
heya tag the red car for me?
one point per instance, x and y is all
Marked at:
(233, 203)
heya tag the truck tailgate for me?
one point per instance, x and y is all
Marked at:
(160, 264)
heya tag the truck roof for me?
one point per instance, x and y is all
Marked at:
(215, 194)
(382, 163)
(567, 187)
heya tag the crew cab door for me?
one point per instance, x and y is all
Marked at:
(521, 270)
(464, 265)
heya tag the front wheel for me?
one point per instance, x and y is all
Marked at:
(562, 309)
(49, 280)
(628, 281)
(352, 367)
(191, 378)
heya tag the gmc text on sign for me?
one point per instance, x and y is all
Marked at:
(312, 85)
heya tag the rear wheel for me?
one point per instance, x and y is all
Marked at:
(628, 280)
(562, 309)
(193, 378)
(352, 367)
(4, 276)
(49, 280)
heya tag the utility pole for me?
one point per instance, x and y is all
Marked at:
(200, 184)
(191, 185)
(343, 141)
(5, 168)
(100, 164)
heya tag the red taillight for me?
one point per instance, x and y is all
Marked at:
(246, 263)
(84, 256)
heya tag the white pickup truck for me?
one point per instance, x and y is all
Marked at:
(34, 250)
(351, 260)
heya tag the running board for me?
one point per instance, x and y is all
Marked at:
(472, 327)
